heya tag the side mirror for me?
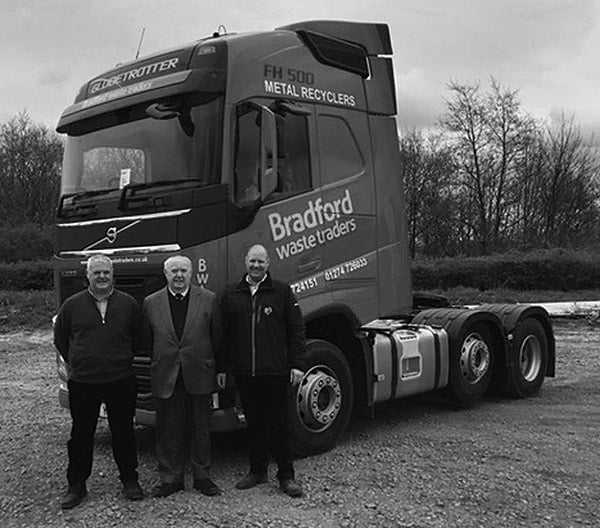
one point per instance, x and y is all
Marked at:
(162, 111)
(268, 152)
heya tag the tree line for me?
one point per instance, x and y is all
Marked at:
(30, 165)
(491, 178)
(488, 179)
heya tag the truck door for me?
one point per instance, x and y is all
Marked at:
(276, 201)
(349, 258)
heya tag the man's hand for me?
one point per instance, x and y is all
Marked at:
(221, 380)
(296, 376)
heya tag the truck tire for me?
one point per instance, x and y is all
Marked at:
(529, 359)
(322, 402)
(472, 358)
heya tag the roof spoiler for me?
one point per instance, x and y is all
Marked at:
(373, 37)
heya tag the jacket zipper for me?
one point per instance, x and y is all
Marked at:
(99, 310)
(105, 312)
(253, 334)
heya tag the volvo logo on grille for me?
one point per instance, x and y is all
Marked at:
(111, 234)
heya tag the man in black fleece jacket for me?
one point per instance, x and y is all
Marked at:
(264, 346)
(97, 332)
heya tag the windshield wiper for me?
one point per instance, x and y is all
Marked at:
(84, 194)
(129, 190)
(75, 197)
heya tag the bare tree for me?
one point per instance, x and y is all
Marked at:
(487, 131)
(427, 171)
(30, 163)
(526, 214)
(570, 188)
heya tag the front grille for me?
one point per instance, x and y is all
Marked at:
(140, 286)
(141, 368)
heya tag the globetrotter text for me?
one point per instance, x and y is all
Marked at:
(133, 74)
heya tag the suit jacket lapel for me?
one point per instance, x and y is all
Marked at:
(165, 311)
(193, 308)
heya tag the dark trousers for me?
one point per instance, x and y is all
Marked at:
(84, 402)
(265, 401)
(181, 416)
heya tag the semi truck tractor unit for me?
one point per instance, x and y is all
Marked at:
(285, 138)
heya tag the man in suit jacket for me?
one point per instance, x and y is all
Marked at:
(182, 330)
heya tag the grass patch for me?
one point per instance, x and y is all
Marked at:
(26, 310)
(31, 310)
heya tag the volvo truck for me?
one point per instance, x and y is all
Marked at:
(286, 138)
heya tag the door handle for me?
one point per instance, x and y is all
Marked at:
(309, 266)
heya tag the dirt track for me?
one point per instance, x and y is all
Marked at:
(419, 463)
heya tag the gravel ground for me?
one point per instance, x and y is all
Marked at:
(419, 463)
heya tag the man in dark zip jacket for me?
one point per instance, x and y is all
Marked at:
(264, 348)
(97, 331)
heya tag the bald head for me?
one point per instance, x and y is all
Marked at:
(258, 249)
(257, 262)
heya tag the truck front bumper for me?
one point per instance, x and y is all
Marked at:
(221, 420)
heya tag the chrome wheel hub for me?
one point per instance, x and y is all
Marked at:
(530, 358)
(319, 398)
(475, 358)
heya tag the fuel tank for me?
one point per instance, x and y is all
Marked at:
(407, 359)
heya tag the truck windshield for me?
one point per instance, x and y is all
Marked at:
(143, 145)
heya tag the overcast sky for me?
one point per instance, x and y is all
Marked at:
(548, 49)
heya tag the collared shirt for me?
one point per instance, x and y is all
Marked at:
(183, 293)
(101, 302)
(178, 307)
(254, 285)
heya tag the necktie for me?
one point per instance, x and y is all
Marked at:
(179, 296)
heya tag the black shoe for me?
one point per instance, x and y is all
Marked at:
(167, 488)
(207, 487)
(251, 480)
(75, 494)
(132, 491)
(291, 487)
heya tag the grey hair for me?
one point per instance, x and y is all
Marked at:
(176, 257)
(98, 258)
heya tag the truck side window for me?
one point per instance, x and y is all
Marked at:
(247, 155)
(293, 161)
(340, 154)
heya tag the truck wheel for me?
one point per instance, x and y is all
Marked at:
(471, 363)
(322, 401)
(530, 356)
